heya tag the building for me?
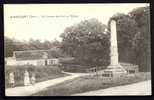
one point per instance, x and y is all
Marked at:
(32, 57)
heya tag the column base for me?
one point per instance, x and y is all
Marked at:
(114, 71)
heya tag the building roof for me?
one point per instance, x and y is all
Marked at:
(35, 54)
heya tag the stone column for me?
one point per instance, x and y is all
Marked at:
(113, 46)
(114, 66)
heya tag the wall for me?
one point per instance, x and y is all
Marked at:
(32, 62)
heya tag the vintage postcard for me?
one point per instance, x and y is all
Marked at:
(77, 49)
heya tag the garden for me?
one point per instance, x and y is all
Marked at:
(42, 73)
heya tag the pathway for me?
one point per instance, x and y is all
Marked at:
(29, 90)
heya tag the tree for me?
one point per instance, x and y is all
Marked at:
(87, 42)
(142, 39)
(126, 30)
(47, 44)
(8, 47)
(12, 45)
(55, 43)
(134, 37)
(35, 44)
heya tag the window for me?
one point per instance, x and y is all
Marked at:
(46, 63)
(131, 71)
(50, 62)
(107, 75)
(54, 62)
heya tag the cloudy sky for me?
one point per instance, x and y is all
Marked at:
(48, 21)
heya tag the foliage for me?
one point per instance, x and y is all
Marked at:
(87, 42)
(14, 45)
(42, 73)
(134, 37)
(142, 45)
(126, 30)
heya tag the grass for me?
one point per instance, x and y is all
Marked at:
(43, 73)
(84, 84)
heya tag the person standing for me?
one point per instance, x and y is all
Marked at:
(26, 78)
(11, 79)
(33, 79)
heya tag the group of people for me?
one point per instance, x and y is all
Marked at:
(27, 79)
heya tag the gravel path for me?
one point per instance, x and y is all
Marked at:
(141, 88)
(29, 90)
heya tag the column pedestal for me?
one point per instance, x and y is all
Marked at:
(114, 72)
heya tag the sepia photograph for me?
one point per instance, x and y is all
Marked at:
(77, 49)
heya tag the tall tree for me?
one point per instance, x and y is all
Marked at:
(126, 30)
(87, 42)
(15, 45)
(142, 45)
(134, 37)
(8, 47)
(35, 44)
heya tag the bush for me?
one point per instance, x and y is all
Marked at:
(74, 68)
(42, 73)
(71, 65)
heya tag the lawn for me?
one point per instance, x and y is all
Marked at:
(84, 84)
(43, 73)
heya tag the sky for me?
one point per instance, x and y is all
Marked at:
(48, 21)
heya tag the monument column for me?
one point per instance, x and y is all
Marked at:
(114, 66)
(113, 46)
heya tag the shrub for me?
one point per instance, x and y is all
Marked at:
(42, 73)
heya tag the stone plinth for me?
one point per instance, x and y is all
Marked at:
(116, 71)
